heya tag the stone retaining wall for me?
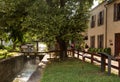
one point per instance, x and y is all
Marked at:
(10, 67)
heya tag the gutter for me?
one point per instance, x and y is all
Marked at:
(106, 26)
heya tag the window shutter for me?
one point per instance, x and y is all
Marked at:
(102, 21)
(98, 19)
(115, 12)
(94, 19)
(118, 11)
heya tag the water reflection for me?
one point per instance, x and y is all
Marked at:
(25, 74)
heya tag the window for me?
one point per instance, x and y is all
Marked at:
(101, 18)
(116, 12)
(93, 18)
(100, 41)
(92, 41)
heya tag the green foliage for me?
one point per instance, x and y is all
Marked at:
(10, 54)
(97, 50)
(107, 50)
(9, 48)
(54, 20)
(100, 50)
(5, 54)
(2, 47)
(100, 1)
(27, 20)
(92, 50)
(13, 15)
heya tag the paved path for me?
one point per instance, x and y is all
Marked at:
(36, 76)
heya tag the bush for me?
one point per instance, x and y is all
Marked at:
(92, 50)
(3, 53)
(7, 48)
(11, 54)
(100, 50)
(107, 50)
(97, 50)
(2, 47)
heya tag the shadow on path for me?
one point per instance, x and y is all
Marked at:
(35, 77)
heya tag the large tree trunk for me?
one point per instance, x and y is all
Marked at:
(63, 48)
(62, 3)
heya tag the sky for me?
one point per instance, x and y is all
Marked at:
(95, 4)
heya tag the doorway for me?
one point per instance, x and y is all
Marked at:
(117, 44)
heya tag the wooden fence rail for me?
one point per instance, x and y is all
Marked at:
(102, 60)
(92, 57)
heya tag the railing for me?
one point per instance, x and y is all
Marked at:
(102, 60)
(52, 53)
(93, 57)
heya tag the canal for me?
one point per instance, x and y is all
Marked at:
(31, 69)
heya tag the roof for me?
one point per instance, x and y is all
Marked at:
(99, 5)
(106, 2)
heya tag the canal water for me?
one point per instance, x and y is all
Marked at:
(30, 67)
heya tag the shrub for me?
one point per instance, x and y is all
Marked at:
(100, 50)
(107, 50)
(11, 54)
(97, 50)
(3, 53)
(2, 47)
(92, 50)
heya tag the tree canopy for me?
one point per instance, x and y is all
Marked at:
(13, 15)
(60, 20)
(47, 20)
(65, 19)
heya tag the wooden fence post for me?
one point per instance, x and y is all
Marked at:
(73, 52)
(78, 54)
(91, 58)
(103, 63)
(50, 55)
(109, 65)
(119, 67)
(83, 57)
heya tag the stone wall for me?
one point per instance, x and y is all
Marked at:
(10, 67)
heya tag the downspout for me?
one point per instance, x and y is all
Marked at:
(106, 27)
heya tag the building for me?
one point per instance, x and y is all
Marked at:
(104, 26)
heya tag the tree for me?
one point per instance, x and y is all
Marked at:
(60, 20)
(13, 16)
(47, 20)
(100, 1)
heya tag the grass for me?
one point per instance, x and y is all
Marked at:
(75, 71)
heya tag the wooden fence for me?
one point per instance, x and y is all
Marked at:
(102, 60)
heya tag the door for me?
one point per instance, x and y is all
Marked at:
(117, 44)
